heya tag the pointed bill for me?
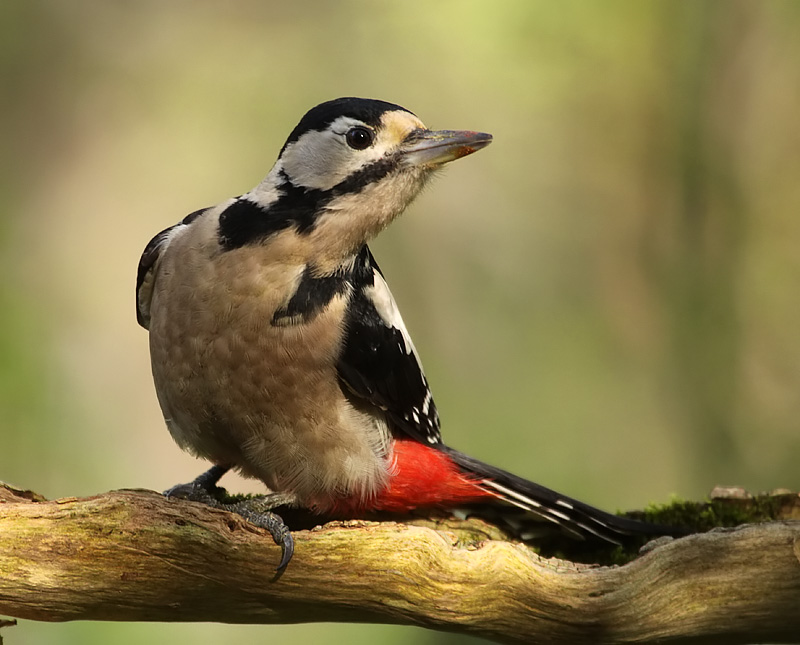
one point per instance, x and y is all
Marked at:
(437, 147)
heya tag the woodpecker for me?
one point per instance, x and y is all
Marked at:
(278, 350)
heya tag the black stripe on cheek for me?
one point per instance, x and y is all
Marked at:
(300, 206)
(367, 175)
(243, 222)
(312, 296)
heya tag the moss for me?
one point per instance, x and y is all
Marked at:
(703, 516)
(687, 517)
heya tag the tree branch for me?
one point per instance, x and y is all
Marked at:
(134, 555)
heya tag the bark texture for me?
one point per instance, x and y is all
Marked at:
(134, 555)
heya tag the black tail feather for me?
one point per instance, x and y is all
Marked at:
(533, 509)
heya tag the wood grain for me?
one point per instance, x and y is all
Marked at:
(134, 555)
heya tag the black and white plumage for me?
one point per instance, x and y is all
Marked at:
(276, 345)
(379, 362)
(278, 349)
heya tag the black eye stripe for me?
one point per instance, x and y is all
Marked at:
(359, 137)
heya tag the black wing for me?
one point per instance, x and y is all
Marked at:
(379, 362)
(145, 276)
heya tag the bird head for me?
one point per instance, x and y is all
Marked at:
(351, 143)
(352, 165)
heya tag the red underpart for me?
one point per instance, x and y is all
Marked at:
(422, 477)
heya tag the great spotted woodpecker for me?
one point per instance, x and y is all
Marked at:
(278, 350)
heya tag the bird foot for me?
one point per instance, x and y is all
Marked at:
(256, 510)
(202, 489)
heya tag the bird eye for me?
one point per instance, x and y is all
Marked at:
(359, 138)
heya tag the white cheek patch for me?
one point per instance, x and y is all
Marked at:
(322, 159)
(313, 160)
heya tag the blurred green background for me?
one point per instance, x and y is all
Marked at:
(606, 300)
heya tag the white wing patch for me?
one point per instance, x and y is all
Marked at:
(379, 361)
(386, 307)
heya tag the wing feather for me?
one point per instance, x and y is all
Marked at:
(379, 362)
(146, 273)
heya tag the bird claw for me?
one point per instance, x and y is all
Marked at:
(256, 510)
(281, 534)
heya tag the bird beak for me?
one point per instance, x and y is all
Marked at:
(431, 148)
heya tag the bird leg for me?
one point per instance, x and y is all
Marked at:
(256, 510)
(203, 486)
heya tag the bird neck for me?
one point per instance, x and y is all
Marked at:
(332, 225)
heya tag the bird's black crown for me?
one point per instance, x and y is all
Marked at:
(318, 118)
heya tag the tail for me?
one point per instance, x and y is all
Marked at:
(528, 510)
